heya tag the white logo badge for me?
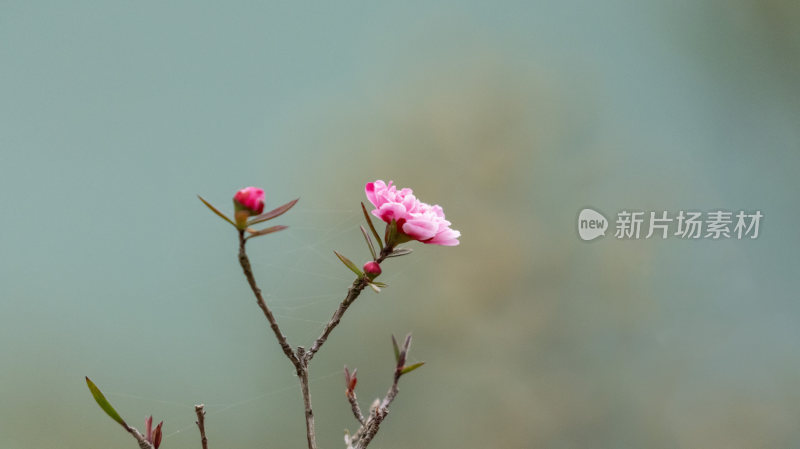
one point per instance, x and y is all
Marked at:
(591, 224)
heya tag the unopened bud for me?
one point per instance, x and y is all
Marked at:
(350, 380)
(372, 269)
(247, 202)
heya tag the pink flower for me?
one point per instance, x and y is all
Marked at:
(250, 199)
(415, 219)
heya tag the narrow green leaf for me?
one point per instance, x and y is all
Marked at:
(214, 209)
(349, 264)
(371, 226)
(400, 252)
(380, 284)
(265, 231)
(369, 243)
(408, 369)
(396, 350)
(278, 211)
(104, 404)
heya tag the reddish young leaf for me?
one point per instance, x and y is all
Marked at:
(157, 435)
(278, 211)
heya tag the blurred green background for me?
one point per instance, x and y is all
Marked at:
(511, 115)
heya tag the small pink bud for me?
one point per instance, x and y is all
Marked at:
(372, 269)
(250, 199)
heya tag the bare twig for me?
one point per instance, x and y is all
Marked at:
(351, 396)
(350, 382)
(352, 293)
(248, 272)
(303, 373)
(201, 424)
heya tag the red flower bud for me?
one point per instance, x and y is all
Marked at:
(372, 269)
(250, 199)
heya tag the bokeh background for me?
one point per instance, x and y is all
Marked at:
(511, 115)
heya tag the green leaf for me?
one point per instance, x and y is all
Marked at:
(380, 284)
(349, 264)
(400, 252)
(104, 404)
(408, 369)
(371, 226)
(278, 211)
(214, 209)
(396, 350)
(369, 242)
(265, 231)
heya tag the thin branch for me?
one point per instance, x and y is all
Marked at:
(201, 424)
(303, 373)
(353, 399)
(248, 272)
(143, 443)
(352, 293)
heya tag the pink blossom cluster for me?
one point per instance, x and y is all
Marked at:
(417, 220)
(251, 199)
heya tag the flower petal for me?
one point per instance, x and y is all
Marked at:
(420, 228)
